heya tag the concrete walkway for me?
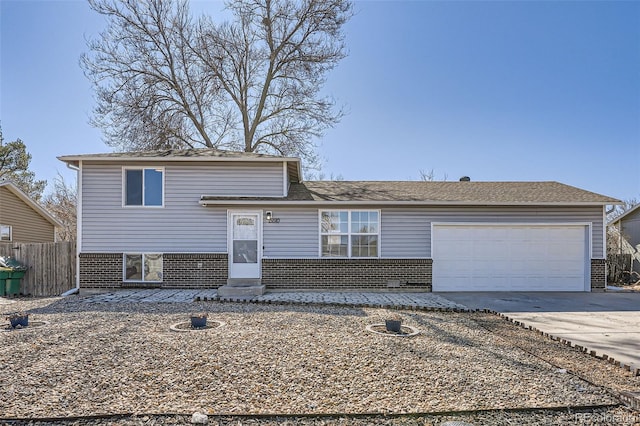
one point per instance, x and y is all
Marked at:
(150, 296)
(417, 300)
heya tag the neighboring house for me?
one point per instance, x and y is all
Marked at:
(22, 220)
(207, 218)
(628, 230)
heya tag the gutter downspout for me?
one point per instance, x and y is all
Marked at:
(76, 289)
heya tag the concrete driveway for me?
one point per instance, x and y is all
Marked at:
(608, 323)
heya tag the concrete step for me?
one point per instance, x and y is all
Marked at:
(236, 291)
(243, 282)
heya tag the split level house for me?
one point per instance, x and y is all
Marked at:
(207, 218)
(22, 220)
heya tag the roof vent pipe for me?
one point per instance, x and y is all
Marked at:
(465, 179)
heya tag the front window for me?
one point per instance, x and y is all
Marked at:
(349, 233)
(146, 267)
(5, 233)
(143, 187)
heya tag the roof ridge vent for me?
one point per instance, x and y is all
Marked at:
(465, 179)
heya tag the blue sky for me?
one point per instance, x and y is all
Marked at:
(495, 90)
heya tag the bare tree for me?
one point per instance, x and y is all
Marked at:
(62, 203)
(618, 210)
(164, 80)
(430, 175)
(320, 175)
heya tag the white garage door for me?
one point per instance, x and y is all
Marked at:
(509, 258)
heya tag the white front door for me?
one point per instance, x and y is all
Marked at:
(245, 244)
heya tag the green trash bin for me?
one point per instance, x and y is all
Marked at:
(12, 287)
(4, 275)
(15, 271)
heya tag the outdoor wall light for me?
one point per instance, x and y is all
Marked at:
(270, 218)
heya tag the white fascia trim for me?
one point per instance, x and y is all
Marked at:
(75, 159)
(206, 203)
(285, 180)
(299, 169)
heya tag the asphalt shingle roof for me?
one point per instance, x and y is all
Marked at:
(435, 192)
(204, 153)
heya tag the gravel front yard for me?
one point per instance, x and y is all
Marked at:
(110, 358)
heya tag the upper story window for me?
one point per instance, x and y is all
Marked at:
(144, 187)
(5, 233)
(349, 233)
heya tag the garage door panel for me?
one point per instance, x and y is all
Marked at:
(484, 281)
(457, 234)
(519, 250)
(461, 248)
(482, 269)
(496, 250)
(509, 257)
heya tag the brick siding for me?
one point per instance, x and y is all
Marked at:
(210, 270)
(335, 274)
(180, 270)
(194, 270)
(100, 270)
(598, 274)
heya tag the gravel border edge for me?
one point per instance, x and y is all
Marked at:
(631, 400)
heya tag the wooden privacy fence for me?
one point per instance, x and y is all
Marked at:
(52, 266)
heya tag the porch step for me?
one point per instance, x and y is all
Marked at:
(246, 290)
(243, 282)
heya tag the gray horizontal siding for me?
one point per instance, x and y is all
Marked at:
(631, 228)
(414, 225)
(182, 225)
(295, 236)
(405, 233)
(226, 180)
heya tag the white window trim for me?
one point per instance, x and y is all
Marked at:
(349, 234)
(10, 233)
(124, 187)
(124, 268)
